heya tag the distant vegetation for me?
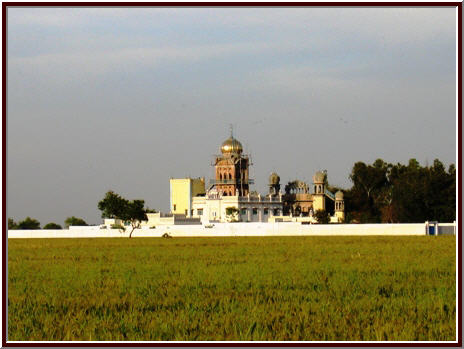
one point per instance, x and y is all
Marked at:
(115, 206)
(275, 288)
(74, 221)
(28, 223)
(52, 226)
(388, 193)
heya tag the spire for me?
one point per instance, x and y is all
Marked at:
(231, 130)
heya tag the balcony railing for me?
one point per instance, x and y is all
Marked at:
(231, 181)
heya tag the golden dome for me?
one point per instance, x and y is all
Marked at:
(231, 146)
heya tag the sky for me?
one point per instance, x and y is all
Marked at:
(123, 99)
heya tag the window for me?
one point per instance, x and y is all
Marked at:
(186, 212)
(266, 211)
(174, 207)
(276, 212)
(255, 211)
(200, 212)
(243, 212)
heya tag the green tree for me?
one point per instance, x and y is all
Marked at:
(322, 217)
(29, 223)
(115, 206)
(12, 224)
(232, 214)
(52, 226)
(74, 221)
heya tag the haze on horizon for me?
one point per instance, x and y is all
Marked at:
(125, 98)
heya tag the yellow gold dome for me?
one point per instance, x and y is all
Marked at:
(231, 146)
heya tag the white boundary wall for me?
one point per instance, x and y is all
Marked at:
(233, 229)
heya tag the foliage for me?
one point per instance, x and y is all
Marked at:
(232, 214)
(12, 224)
(389, 193)
(322, 216)
(74, 221)
(118, 226)
(115, 206)
(274, 288)
(29, 223)
(52, 226)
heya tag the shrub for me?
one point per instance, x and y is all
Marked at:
(29, 223)
(52, 226)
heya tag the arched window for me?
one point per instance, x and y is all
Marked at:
(230, 176)
(220, 176)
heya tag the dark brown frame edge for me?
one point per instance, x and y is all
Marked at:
(227, 4)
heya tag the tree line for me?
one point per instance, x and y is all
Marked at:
(397, 193)
(33, 224)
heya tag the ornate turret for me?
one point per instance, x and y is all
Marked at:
(339, 206)
(274, 183)
(319, 191)
(231, 169)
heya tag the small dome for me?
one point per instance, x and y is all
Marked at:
(231, 146)
(319, 177)
(339, 195)
(274, 178)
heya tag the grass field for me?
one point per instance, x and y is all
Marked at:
(276, 288)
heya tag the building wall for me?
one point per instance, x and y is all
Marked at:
(182, 191)
(318, 202)
(234, 229)
(252, 209)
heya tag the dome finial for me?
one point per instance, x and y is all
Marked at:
(231, 130)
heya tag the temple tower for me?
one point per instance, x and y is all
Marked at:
(339, 206)
(231, 169)
(319, 191)
(274, 184)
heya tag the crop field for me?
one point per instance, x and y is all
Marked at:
(275, 288)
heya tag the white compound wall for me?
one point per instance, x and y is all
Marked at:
(233, 229)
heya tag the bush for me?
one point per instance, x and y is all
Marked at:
(12, 224)
(52, 226)
(29, 223)
(322, 217)
(74, 221)
(118, 226)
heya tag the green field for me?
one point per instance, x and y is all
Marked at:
(275, 288)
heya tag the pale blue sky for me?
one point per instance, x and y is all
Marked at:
(123, 99)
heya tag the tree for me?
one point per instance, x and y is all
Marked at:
(232, 214)
(322, 217)
(409, 193)
(12, 224)
(52, 226)
(74, 221)
(115, 206)
(29, 223)
(370, 184)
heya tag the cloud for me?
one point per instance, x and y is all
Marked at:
(96, 63)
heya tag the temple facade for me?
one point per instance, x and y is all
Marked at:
(228, 198)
